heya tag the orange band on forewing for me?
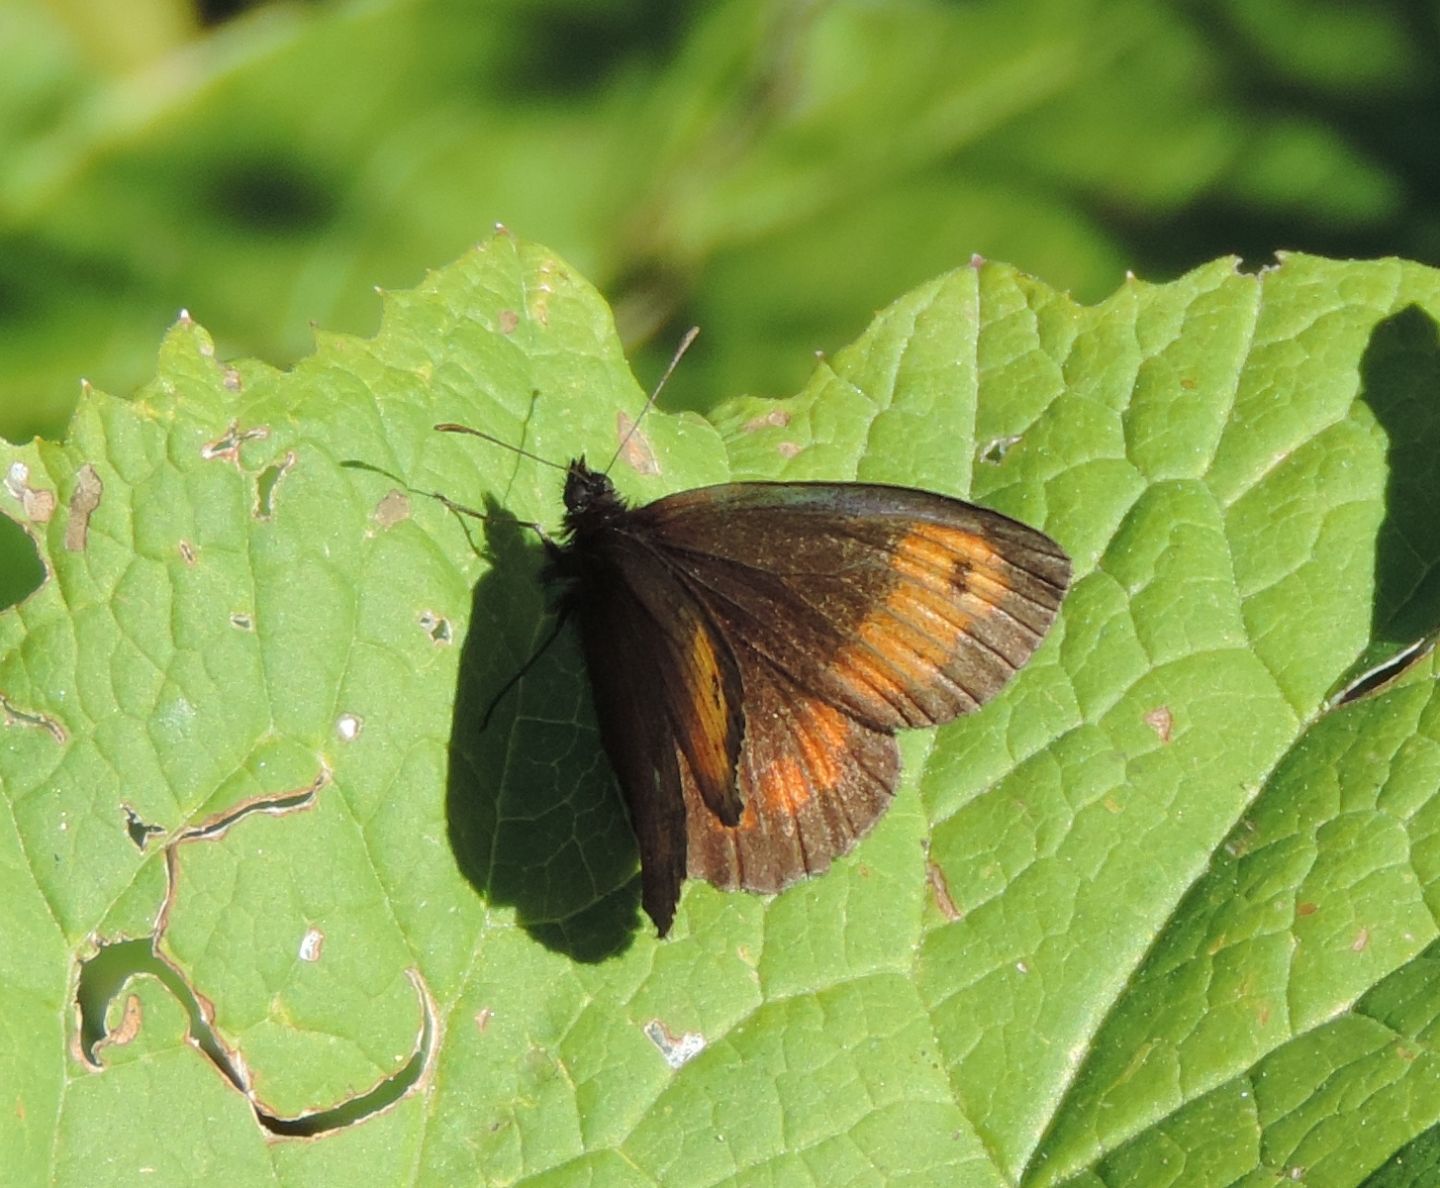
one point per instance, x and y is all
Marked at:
(919, 627)
(710, 685)
(705, 722)
(928, 553)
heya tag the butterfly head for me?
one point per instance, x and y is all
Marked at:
(590, 498)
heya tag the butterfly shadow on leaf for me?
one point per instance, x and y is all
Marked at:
(534, 819)
(1400, 382)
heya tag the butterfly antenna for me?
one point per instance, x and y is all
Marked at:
(689, 337)
(451, 427)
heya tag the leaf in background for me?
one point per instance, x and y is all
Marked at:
(266, 172)
(1158, 914)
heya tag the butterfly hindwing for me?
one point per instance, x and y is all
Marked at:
(813, 780)
(640, 744)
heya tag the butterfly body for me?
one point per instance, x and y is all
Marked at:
(753, 647)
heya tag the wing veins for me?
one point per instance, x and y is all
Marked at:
(725, 653)
(884, 693)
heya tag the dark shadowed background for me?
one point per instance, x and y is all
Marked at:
(770, 171)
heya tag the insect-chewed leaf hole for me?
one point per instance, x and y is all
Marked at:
(140, 831)
(266, 484)
(21, 570)
(436, 626)
(994, 451)
(109, 973)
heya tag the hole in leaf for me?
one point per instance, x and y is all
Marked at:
(21, 570)
(1378, 677)
(106, 974)
(994, 451)
(284, 803)
(226, 447)
(266, 483)
(437, 626)
(12, 715)
(140, 831)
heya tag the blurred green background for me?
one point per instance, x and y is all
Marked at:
(772, 171)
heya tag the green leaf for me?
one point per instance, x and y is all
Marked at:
(1162, 913)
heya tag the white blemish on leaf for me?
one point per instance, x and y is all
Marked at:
(677, 1051)
(940, 889)
(635, 447)
(311, 944)
(776, 418)
(392, 509)
(39, 503)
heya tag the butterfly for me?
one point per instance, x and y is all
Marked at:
(753, 647)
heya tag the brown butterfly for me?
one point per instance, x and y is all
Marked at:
(753, 647)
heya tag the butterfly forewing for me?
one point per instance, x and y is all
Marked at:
(902, 607)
